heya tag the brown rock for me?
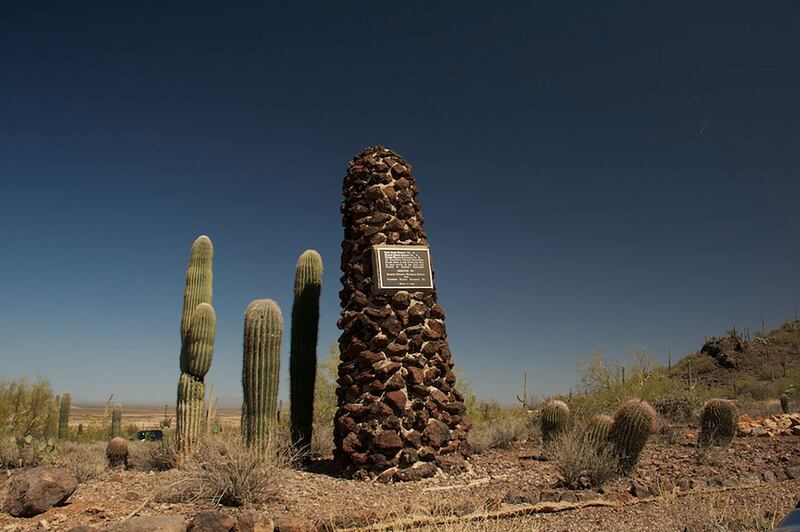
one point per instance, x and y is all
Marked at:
(401, 300)
(34, 491)
(149, 523)
(419, 471)
(416, 313)
(396, 399)
(253, 521)
(639, 490)
(388, 440)
(436, 433)
(212, 521)
(416, 375)
(294, 524)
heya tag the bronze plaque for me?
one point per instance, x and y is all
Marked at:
(402, 268)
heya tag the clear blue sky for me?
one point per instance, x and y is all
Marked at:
(593, 175)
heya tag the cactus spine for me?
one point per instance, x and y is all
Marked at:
(634, 421)
(784, 403)
(263, 328)
(555, 420)
(303, 357)
(116, 420)
(198, 332)
(598, 429)
(718, 422)
(63, 416)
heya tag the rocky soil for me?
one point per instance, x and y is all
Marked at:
(672, 478)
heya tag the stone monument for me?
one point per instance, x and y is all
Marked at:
(400, 416)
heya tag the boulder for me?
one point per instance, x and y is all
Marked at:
(34, 491)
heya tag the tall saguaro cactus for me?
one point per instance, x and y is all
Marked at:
(198, 332)
(263, 328)
(116, 420)
(63, 416)
(303, 358)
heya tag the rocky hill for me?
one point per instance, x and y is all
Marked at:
(763, 365)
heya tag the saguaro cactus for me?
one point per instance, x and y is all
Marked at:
(634, 421)
(116, 420)
(718, 422)
(598, 429)
(555, 420)
(263, 328)
(63, 416)
(198, 332)
(303, 358)
(784, 403)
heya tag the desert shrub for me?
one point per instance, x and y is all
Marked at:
(498, 433)
(27, 453)
(27, 411)
(86, 461)
(223, 471)
(753, 408)
(153, 455)
(582, 463)
(325, 401)
(677, 405)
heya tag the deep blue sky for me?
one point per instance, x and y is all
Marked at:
(593, 175)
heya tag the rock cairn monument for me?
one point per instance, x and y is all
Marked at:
(400, 416)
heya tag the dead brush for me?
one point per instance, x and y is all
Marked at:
(224, 471)
(498, 433)
(87, 461)
(581, 463)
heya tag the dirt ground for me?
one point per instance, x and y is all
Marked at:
(749, 485)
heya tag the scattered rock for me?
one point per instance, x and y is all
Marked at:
(294, 524)
(212, 521)
(149, 523)
(253, 521)
(639, 490)
(34, 491)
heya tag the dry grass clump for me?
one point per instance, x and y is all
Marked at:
(225, 472)
(153, 455)
(724, 514)
(87, 461)
(581, 463)
(322, 439)
(498, 433)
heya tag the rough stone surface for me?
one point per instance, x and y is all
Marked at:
(396, 388)
(294, 524)
(34, 491)
(212, 521)
(149, 523)
(253, 521)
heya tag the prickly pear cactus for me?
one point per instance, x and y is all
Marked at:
(63, 416)
(303, 357)
(555, 420)
(718, 423)
(634, 421)
(117, 452)
(598, 429)
(116, 420)
(263, 328)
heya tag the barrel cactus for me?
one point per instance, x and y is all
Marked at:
(303, 357)
(555, 420)
(63, 416)
(117, 452)
(598, 429)
(785, 403)
(718, 423)
(263, 328)
(633, 422)
(198, 333)
(116, 420)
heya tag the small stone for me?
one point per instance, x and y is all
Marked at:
(769, 477)
(549, 496)
(396, 399)
(568, 496)
(212, 521)
(418, 471)
(293, 524)
(639, 490)
(254, 521)
(148, 523)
